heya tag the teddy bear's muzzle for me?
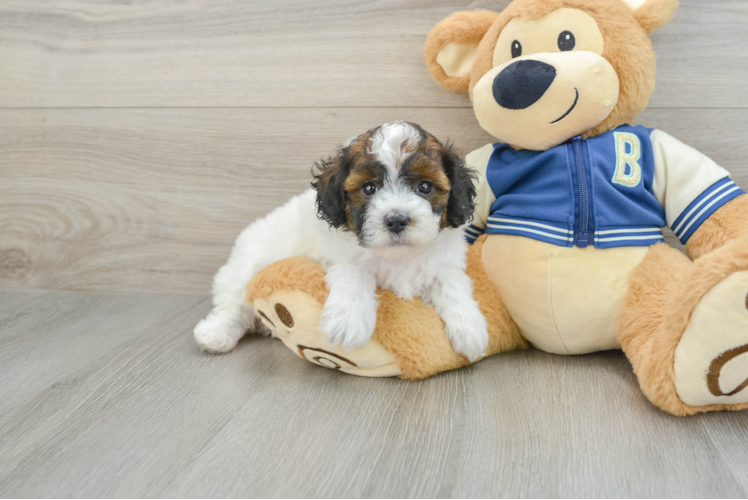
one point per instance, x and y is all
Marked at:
(540, 100)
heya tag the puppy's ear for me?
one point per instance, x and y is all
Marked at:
(460, 205)
(452, 45)
(329, 181)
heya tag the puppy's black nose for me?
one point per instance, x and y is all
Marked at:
(396, 223)
(522, 84)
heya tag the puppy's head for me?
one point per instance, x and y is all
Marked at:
(396, 187)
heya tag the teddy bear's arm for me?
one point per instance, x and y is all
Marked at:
(724, 225)
(703, 206)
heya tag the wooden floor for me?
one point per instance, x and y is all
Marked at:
(138, 138)
(107, 395)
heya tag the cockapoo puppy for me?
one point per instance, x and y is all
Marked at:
(386, 211)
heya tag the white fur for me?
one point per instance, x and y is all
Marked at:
(422, 261)
(389, 144)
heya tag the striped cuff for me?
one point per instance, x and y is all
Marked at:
(519, 227)
(628, 237)
(702, 207)
(472, 233)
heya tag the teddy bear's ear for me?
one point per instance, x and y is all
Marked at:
(652, 14)
(452, 45)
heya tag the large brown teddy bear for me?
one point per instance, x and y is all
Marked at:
(568, 252)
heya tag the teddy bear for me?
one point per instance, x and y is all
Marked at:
(567, 252)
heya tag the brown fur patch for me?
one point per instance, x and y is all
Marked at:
(359, 146)
(425, 169)
(428, 169)
(431, 144)
(363, 174)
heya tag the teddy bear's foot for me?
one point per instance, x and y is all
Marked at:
(711, 359)
(293, 316)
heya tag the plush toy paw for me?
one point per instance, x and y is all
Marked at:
(408, 339)
(711, 360)
(293, 316)
(217, 336)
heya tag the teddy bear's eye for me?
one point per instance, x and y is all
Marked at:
(566, 41)
(516, 49)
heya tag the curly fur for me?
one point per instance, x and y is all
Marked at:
(329, 182)
(462, 194)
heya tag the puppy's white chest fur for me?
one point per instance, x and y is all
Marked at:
(414, 276)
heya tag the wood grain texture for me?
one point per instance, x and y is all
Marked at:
(201, 53)
(151, 200)
(106, 395)
(112, 398)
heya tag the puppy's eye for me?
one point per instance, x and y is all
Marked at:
(425, 188)
(566, 41)
(516, 49)
(369, 188)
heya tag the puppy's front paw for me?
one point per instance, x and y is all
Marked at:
(348, 324)
(216, 336)
(468, 332)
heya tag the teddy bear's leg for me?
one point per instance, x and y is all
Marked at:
(684, 327)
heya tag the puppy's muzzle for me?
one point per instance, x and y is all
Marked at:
(396, 223)
(522, 84)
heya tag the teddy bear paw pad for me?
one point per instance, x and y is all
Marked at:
(294, 317)
(711, 360)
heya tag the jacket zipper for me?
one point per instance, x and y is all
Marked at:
(582, 238)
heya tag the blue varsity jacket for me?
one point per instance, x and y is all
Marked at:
(617, 189)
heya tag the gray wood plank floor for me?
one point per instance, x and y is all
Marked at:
(107, 395)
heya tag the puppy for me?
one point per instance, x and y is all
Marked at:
(386, 210)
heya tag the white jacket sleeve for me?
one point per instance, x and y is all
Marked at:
(689, 185)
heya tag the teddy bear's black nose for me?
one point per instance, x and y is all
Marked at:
(522, 84)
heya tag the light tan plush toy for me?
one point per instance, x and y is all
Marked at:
(408, 340)
(568, 252)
